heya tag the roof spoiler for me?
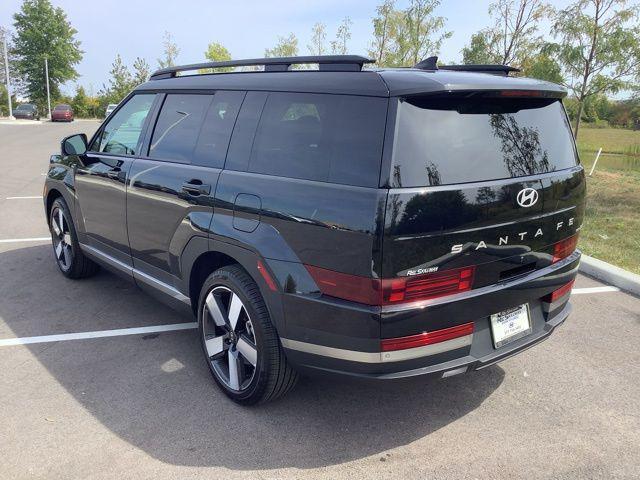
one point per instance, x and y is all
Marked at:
(431, 63)
(331, 63)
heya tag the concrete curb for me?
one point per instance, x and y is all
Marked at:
(610, 274)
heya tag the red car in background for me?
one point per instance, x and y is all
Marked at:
(62, 113)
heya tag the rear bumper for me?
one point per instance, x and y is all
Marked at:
(315, 350)
(463, 364)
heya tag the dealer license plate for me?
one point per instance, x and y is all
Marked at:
(510, 325)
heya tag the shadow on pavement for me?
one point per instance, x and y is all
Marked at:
(155, 392)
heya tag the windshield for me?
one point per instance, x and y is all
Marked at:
(443, 141)
(62, 107)
(26, 106)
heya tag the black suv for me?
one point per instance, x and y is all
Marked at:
(26, 111)
(373, 223)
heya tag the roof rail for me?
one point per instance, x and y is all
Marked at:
(332, 63)
(431, 63)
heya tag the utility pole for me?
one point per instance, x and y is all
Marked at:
(46, 70)
(6, 74)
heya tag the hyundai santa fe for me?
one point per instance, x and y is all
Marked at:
(374, 223)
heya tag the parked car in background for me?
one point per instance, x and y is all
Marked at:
(62, 113)
(26, 111)
(110, 108)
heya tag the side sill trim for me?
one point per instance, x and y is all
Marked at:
(137, 274)
(377, 357)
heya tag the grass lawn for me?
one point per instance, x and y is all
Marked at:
(611, 230)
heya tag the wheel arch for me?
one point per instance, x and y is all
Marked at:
(52, 195)
(198, 267)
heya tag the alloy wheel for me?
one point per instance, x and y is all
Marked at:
(229, 338)
(62, 244)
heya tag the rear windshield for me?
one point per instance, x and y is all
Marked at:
(62, 107)
(442, 141)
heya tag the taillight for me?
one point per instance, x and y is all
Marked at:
(424, 287)
(564, 248)
(348, 287)
(559, 293)
(426, 338)
(392, 291)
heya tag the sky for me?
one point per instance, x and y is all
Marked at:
(135, 28)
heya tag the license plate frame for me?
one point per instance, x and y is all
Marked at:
(520, 326)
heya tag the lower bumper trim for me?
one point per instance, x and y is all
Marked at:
(378, 357)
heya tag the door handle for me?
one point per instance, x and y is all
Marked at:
(114, 173)
(196, 188)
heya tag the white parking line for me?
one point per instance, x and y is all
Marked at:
(39, 197)
(98, 334)
(18, 240)
(578, 291)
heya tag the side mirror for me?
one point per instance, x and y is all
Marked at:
(74, 144)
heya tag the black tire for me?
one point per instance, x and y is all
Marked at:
(70, 259)
(272, 376)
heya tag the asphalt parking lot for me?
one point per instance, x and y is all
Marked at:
(144, 406)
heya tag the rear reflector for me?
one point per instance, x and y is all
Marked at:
(372, 291)
(564, 248)
(559, 293)
(426, 338)
(267, 278)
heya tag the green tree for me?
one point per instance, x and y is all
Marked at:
(343, 35)
(286, 47)
(543, 67)
(120, 83)
(480, 50)
(318, 39)
(422, 28)
(405, 37)
(512, 38)
(385, 27)
(598, 48)
(216, 52)
(170, 53)
(141, 71)
(43, 31)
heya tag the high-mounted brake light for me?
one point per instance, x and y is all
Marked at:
(371, 291)
(559, 293)
(426, 338)
(564, 248)
(520, 93)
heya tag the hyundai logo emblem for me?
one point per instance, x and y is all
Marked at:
(527, 197)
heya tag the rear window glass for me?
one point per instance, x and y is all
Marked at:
(328, 138)
(445, 141)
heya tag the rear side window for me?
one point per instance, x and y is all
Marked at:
(328, 138)
(442, 141)
(195, 128)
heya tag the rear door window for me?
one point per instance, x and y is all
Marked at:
(442, 141)
(328, 138)
(195, 128)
